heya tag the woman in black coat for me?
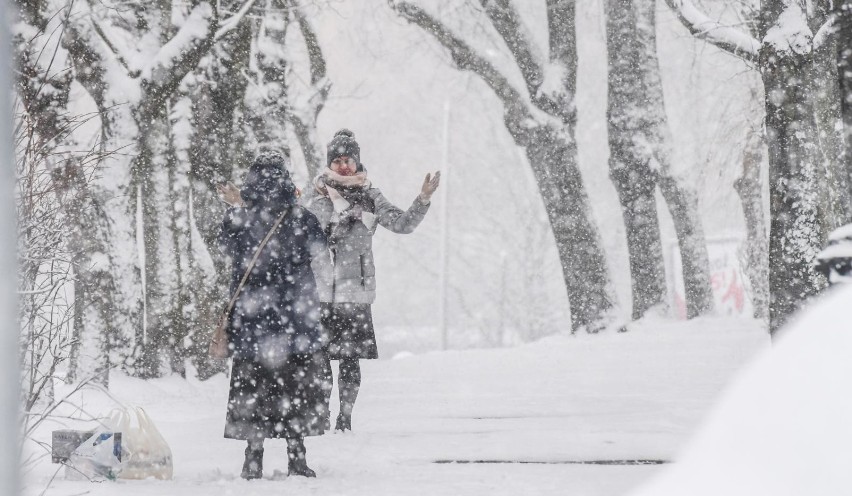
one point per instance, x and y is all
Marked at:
(275, 336)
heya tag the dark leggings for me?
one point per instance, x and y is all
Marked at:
(348, 383)
(295, 447)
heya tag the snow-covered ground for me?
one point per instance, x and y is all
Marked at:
(550, 405)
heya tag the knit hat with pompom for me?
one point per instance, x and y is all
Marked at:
(344, 145)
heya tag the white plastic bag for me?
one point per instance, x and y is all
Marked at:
(98, 458)
(144, 452)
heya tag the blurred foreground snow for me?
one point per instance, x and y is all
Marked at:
(784, 427)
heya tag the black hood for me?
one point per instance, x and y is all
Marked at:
(268, 183)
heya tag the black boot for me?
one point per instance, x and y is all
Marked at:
(344, 423)
(253, 466)
(296, 464)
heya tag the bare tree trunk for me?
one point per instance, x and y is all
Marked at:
(303, 115)
(695, 262)
(844, 77)
(797, 227)
(150, 172)
(640, 159)
(218, 149)
(218, 141)
(267, 109)
(553, 158)
(184, 313)
(88, 241)
(630, 155)
(680, 198)
(827, 101)
(756, 253)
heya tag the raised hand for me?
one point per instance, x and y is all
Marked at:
(230, 194)
(430, 184)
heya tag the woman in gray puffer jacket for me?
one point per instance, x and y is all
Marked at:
(349, 210)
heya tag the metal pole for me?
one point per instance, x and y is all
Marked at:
(9, 333)
(445, 226)
(501, 336)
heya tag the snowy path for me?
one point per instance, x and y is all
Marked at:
(557, 402)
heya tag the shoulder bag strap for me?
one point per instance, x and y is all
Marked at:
(253, 261)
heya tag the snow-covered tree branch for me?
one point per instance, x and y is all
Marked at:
(702, 26)
(517, 112)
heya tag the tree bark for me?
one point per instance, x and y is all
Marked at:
(553, 157)
(640, 160)
(267, 107)
(827, 104)
(681, 199)
(844, 75)
(797, 225)
(150, 179)
(756, 252)
(218, 149)
(303, 115)
(631, 143)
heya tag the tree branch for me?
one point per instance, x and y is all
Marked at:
(563, 54)
(234, 20)
(727, 38)
(825, 31)
(101, 32)
(91, 63)
(563, 36)
(318, 71)
(547, 91)
(180, 55)
(516, 111)
(507, 22)
(304, 126)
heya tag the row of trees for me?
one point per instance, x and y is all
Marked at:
(541, 117)
(801, 51)
(182, 93)
(803, 55)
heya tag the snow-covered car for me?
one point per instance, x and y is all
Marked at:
(835, 261)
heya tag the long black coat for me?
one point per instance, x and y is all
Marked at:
(275, 335)
(278, 309)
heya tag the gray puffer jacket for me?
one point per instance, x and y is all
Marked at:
(349, 276)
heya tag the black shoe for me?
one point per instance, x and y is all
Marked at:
(253, 466)
(300, 467)
(344, 423)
